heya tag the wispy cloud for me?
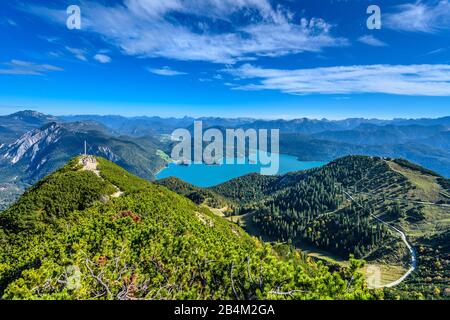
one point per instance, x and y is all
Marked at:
(420, 17)
(436, 51)
(11, 22)
(102, 58)
(20, 67)
(166, 71)
(414, 80)
(372, 41)
(80, 54)
(250, 28)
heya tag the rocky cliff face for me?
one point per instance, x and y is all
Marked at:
(31, 143)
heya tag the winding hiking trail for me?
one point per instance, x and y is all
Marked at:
(90, 164)
(405, 241)
(411, 250)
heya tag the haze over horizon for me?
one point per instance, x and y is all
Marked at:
(149, 115)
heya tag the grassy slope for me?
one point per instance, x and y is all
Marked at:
(65, 239)
(428, 193)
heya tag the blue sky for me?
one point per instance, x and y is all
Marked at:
(257, 58)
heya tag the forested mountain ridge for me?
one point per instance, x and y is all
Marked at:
(312, 206)
(430, 152)
(339, 208)
(91, 230)
(394, 189)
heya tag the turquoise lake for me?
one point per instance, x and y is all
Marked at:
(203, 175)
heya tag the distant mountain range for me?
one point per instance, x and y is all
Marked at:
(425, 141)
(33, 144)
(143, 125)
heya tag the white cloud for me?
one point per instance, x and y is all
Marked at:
(414, 80)
(149, 28)
(80, 54)
(165, 71)
(420, 17)
(20, 67)
(102, 58)
(372, 41)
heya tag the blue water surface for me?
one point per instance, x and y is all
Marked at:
(203, 175)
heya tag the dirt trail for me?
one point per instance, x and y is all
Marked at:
(405, 241)
(90, 164)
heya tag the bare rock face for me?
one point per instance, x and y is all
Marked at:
(31, 142)
(107, 153)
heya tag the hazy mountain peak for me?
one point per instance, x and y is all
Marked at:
(28, 115)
